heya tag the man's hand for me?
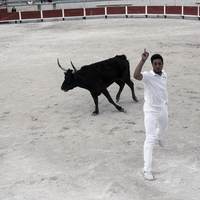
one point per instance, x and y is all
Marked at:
(145, 55)
(137, 74)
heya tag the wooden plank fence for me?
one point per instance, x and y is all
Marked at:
(84, 13)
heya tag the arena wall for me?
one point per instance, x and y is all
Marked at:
(84, 13)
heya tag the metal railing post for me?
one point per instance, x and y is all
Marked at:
(41, 15)
(20, 17)
(165, 12)
(146, 14)
(63, 14)
(182, 12)
(84, 13)
(106, 12)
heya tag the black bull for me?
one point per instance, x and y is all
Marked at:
(98, 76)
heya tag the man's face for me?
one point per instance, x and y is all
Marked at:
(157, 66)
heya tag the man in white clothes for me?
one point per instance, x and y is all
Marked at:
(155, 106)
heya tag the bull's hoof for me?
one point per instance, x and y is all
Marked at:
(94, 113)
(135, 99)
(122, 110)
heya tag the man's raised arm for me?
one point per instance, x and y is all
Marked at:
(137, 74)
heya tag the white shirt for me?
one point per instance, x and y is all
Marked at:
(155, 93)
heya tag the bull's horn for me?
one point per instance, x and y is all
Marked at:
(61, 66)
(75, 70)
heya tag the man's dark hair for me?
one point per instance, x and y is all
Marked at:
(156, 56)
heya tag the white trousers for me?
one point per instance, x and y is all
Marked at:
(155, 121)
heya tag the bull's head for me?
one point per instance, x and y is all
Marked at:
(75, 70)
(69, 82)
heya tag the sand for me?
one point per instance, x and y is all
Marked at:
(50, 145)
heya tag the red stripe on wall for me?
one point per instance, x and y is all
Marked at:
(155, 9)
(73, 12)
(52, 13)
(10, 16)
(188, 10)
(116, 10)
(136, 9)
(176, 10)
(95, 11)
(30, 15)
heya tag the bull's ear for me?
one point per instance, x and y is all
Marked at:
(75, 70)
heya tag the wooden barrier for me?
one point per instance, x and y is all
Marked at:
(115, 10)
(156, 10)
(79, 12)
(52, 13)
(10, 17)
(136, 10)
(173, 10)
(190, 10)
(95, 11)
(127, 11)
(31, 15)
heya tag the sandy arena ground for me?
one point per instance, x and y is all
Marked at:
(51, 148)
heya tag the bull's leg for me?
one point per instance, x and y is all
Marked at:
(95, 98)
(131, 85)
(121, 87)
(106, 93)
